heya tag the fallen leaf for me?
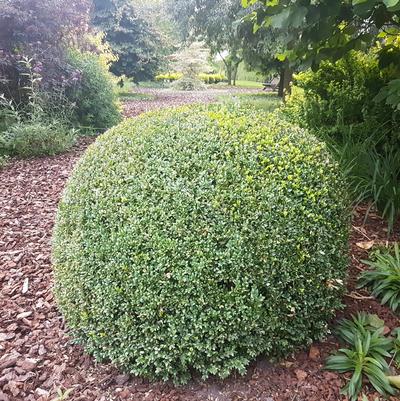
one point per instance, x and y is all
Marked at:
(24, 315)
(394, 381)
(25, 286)
(366, 245)
(314, 353)
(300, 374)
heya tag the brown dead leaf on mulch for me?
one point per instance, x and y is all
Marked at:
(36, 355)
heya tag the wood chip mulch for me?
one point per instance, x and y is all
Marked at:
(37, 357)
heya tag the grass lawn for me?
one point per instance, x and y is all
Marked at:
(249, 84)
(262, 101)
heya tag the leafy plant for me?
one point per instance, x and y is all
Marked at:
(194, 239)
(349, 330)
(63, 395)
(396, 346)
(336, 103)
(3, 160)
(384, 277)
(29, 130)
(94, 94)
(380, 184)
(366, 357)
(212, 78)
(168, 77)
(188, 84)
(37, 137)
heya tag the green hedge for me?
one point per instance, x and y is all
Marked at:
(94, 95)
(193, 240)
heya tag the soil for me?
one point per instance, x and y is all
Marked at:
(38, 359)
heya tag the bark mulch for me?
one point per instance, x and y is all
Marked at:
(36, 355)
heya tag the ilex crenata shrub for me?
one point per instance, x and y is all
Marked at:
(193, 240)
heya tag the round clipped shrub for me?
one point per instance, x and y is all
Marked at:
(193, 240)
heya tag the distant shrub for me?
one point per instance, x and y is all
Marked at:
(168, 77)
(193, 240)
(94, 94)
(212, 78)
(188, 84)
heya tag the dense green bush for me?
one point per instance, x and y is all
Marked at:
(94, 94)
(340, 98)
(36, 138)
(212, 78)
(168, 77)
(338, 104)
(34, 129)
(188, 84)
(193, 240)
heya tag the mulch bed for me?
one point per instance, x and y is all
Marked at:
(37, 356)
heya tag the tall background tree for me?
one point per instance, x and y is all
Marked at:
(329, 29)
(133, 40)
(38, 31)
(217, 23)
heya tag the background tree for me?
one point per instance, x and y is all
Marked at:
(216, 22)
(329, 29)
(261, 52)
(39, 31)
(131, 38)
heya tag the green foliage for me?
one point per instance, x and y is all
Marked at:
(365, 358)
(330, 28)
(33, 129)
(212, 78)
(3, 160)
(384, 277)
(188, 84)
(379, 182)
(390, 94)
(36, 138)
(336, 103)
(94, 95)
(216, 22)
(342, 94)
(132, 39)
(193, 240)
(168, 77)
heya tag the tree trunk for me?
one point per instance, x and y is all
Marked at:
(281, 80)
(229, 73)
(286, 75)
(235, 71)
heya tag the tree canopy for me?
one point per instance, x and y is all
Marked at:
(131, 38)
